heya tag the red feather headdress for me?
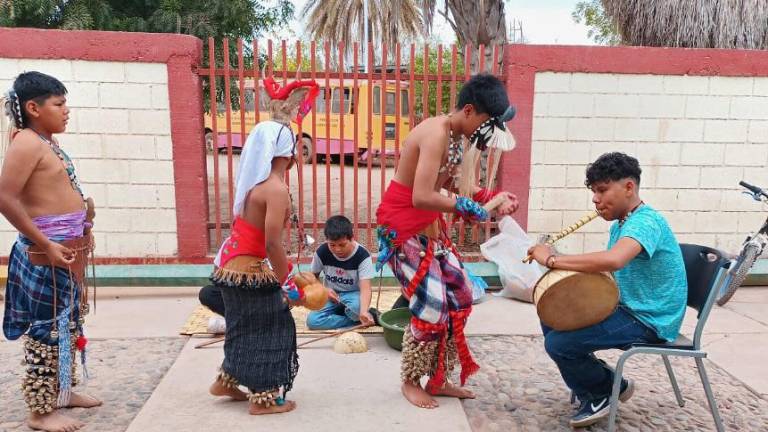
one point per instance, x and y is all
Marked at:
(276, 92)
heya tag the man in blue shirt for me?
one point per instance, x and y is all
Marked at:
(647, 264)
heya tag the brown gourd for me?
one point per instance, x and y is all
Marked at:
(316, 295)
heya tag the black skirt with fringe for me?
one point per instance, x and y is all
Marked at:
(260, 344)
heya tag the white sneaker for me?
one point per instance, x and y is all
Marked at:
(217, 325)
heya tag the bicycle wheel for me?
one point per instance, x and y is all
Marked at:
(749, 254)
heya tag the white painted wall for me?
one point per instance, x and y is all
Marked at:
(119, 135)
(695, 138)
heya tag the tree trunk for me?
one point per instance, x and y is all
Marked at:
(479, 22)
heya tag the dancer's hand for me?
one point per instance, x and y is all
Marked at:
(60, 255)
(510, 206)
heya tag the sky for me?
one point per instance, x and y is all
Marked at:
(543, 22)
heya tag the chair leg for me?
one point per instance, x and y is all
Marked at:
(615, 392)
(710, 396)
(673, 381)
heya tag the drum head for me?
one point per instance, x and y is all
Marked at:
(578, 300)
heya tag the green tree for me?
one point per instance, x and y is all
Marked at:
(201, 18)
(601, 27)
(431, 66)
(218, 19)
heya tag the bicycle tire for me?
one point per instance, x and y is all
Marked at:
(750, 255)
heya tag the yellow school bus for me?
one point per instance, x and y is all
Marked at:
(328, 116)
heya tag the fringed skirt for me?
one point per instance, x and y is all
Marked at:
(260, 344)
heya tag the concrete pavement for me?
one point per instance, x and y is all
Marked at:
(360, 392)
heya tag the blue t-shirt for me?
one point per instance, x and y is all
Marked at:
(653, 285)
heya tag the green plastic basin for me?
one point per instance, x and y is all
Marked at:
(394, 323)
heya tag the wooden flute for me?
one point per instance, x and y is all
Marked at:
(569, 229)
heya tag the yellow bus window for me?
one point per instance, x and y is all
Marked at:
(389, 99)
(335, 102)
(320, 101)
(404, 102)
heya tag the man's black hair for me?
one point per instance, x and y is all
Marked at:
(338, 227)
(37, 87)
(613, 166)
(486, 93)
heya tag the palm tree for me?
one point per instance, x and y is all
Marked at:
(343, 21)
(691, 23)
(476, 22)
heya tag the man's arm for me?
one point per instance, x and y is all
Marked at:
(274, 222)
(365, 273)
(19, 163)
(613, 259)
(365, 302)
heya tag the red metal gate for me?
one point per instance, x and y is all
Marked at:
(365, 109)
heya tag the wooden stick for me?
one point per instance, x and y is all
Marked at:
(496, 201)
(336, 333)
(210, 342)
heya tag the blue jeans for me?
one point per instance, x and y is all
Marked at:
(345, 313)
(573, 351)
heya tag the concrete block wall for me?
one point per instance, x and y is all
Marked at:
(119, 136)
(696, 137)
(135, 134)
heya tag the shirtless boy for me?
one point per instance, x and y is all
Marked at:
(41, 197)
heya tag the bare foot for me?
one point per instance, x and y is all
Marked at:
(53, 422)
(219, 389)
(451, 390)
(417, 395)
(83, 401)
(254, 409)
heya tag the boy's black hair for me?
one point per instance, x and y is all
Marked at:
(32, 86)
(338, 227)
(486, 93)
(613, 166)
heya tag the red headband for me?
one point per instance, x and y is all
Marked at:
(275, 92)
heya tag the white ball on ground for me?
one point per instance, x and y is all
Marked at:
(350, 343)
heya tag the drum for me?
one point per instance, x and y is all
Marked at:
(568, 300)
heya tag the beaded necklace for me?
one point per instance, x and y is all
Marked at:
(624, 219)
(68, 165)
(455, 151)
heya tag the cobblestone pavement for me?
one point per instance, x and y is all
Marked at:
(520, 389)
(124, 373)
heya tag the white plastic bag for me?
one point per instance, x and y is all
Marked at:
(507, 249)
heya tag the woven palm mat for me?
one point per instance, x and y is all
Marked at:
(197, 323)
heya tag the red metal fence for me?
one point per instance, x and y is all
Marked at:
(351, 142)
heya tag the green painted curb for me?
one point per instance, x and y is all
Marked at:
(197, 274)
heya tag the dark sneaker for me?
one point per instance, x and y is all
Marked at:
(590, 412)
(627, 389)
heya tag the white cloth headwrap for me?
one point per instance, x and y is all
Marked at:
(266, 141)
